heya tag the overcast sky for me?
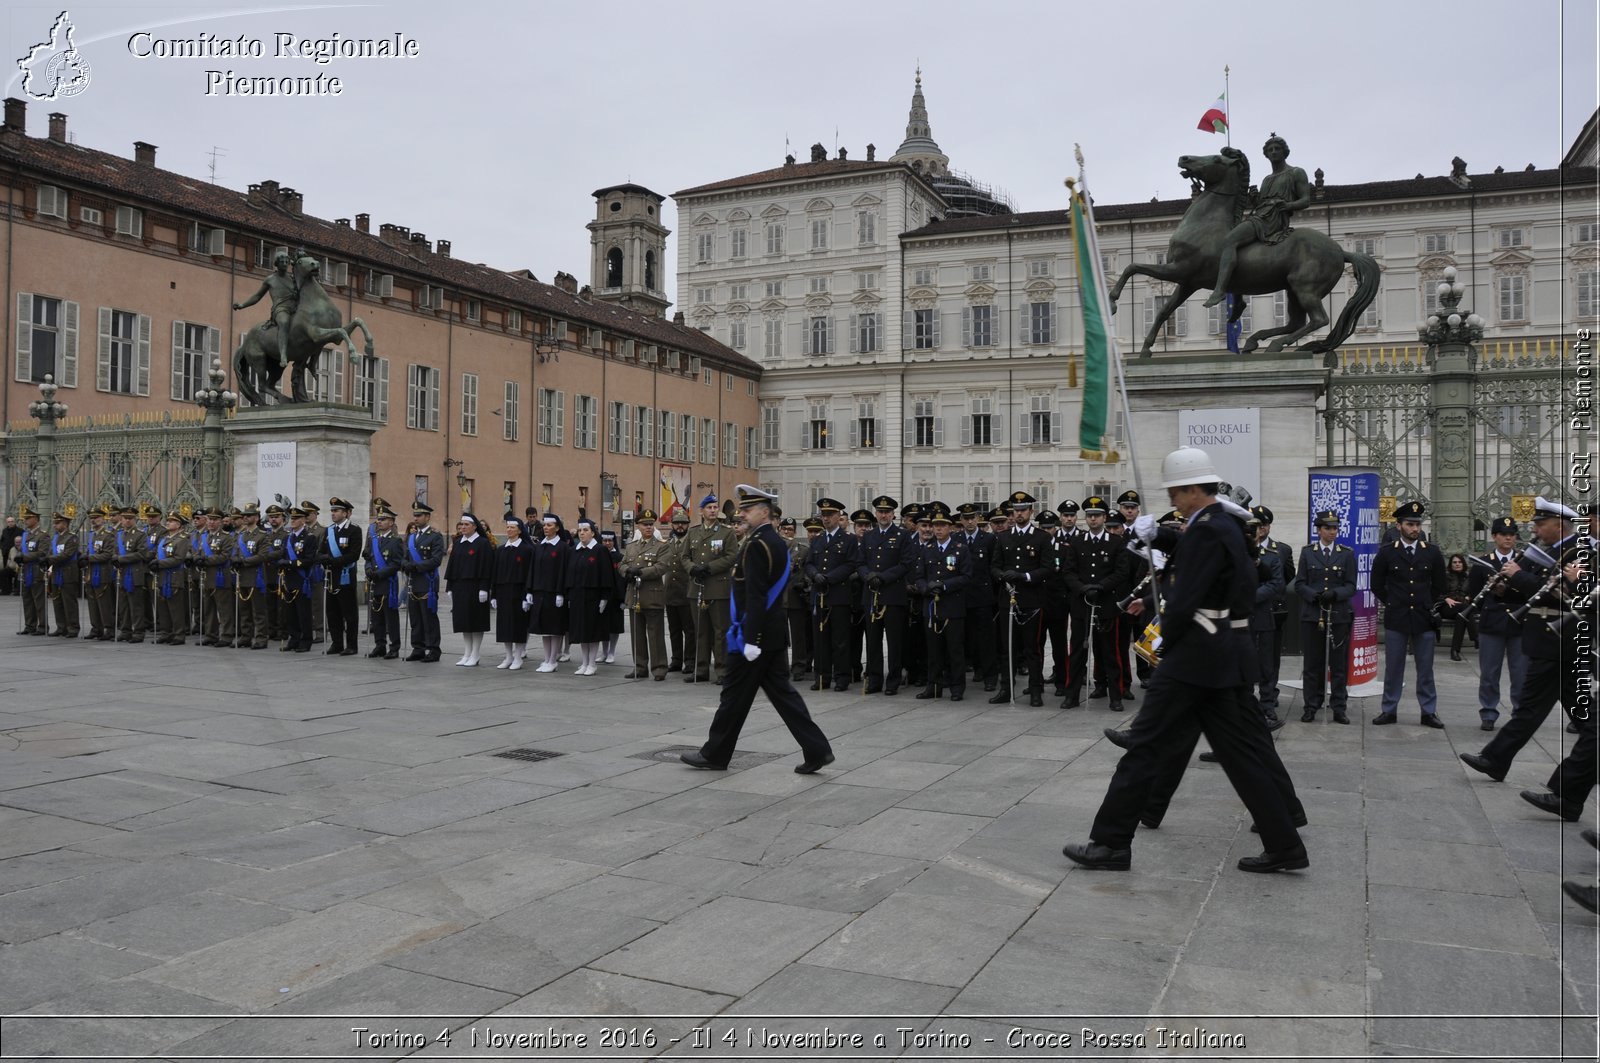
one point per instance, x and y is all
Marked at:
(497, 133)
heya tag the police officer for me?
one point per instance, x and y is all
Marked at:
(1271, 665)
(795, 596)
(829, 564)
(1023, 561)
(1325, 582)
(943, 571)
(385, 551)
(1499, 635)
(979, 543)
(169, 563)
(1263, 625)
(1057, 614)
(1408, 577)
(1096, 578)
(886, 557)
(913, 641)
(645, 564)
(424, 554)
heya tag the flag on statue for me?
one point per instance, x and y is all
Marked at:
(1098, 336)
(1215, 120)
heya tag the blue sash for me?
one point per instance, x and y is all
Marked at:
(164, 551)
(94, 569)
(735, 625)
(383, 571)
(222, 573)
(27, 566)
(127, 570)
(333, 548)
(261, 572)
(305, 577)
(431, 576)
(55, 551)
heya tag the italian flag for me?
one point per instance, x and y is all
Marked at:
(1215, 120)
(1098, 337)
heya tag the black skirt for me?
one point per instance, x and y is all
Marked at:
(467, 614)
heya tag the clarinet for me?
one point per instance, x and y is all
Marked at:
(1137, 592)
(1470, 610)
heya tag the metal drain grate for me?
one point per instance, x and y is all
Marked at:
(528, 754)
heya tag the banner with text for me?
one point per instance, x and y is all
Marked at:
(1352, 492)
(275, 473)
(1232, 438)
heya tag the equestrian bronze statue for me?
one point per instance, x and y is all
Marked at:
(1235, 240)
(304, 321)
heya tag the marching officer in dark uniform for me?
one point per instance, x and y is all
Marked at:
(887, 556)
(1096, 579)
(1263, 626)
(1408, 577)
(386, 549)
(829, 565)
(1553, 591)
(758, 640)
(796, 607)
(424, 554)
(1325, 582)
(1271, 664)
(943, 571)
(1023, 561)
(1499, 636)
(979, 543)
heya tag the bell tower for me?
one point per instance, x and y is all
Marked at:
(628, 249)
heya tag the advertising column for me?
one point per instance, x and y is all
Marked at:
(1352, 492)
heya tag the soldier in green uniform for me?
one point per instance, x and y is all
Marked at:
(708, 556)
(171, 555)
(680, 610)
(216, 550)
(250, 545)
(32, 547)
(154, 529)
(98, 591)
(645, 563)
(273, 551)
(316, 532)
(132, 557)
(63, 575)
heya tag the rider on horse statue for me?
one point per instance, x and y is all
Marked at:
(1283, 191)
(285, 292)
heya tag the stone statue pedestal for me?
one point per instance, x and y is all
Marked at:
(303, 451)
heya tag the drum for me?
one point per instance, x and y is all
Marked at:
(1148, 646)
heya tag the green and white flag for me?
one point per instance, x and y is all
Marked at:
(1099, 338)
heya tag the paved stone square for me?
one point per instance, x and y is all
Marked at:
(224, 853)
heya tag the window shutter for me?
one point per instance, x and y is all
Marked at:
(908, 330)
(936, 320)
(966, 430)
(938, 431)
(338, 358)
(831, 348)
(177, 360)
(805, 435)
(1055, 427)
(997, 425)
(1182, 320)
(996, 318)
(855, 433)
(855, 335)
(24, 336)
(433, 400)
(559, 427)
(1051, 324)
(830, 435)
(68, 377)
(141, 383)
(966, 326)
(1024, 431)
(1024, 333)
(102, 367)
(382, 391)
(411, 396)
(909, 437)
(215, 242)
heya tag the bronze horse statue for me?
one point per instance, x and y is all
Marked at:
(316, 324)
(1305, 263)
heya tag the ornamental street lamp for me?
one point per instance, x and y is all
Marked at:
(1451, 332)
(216, 402)
(47, 411)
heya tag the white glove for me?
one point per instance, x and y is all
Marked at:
(560, 601)
(483, 596)
(751, 651)
(494, 603)
(603, 604)
(527, 602)
(1144, 526)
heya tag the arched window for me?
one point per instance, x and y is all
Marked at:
(650, 271)
(614, 268)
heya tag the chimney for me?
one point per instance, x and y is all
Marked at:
(58, 127)
(585, 293)
(872, 153)
(393, 234)
(442, 248)
(342, 223)
(419, 240)
(567, 282)
(844, 153)
(677, 318)
(264, 193)
(819, 153)
(17, 115)
(143, 154)
(363, 223)
(290, 200)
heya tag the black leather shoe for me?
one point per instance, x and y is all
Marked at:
(1273, 721)
(1149, 822)
(1298, 821)
(811, 767)
(890, 692)
(1384, 718)
(392, 655)
(1308, 715)
(1097, 693)
(988, 686)
(376, 651)
(1120, 739)
(1431, 719)
(1036, 700)
(1116, 706)
(1284, 860)
(956, 695)
(1097, 857)
(1587, 897)
(1551, 803)
(349, 651)
(1208, 757)
(431, 657)
(841, 686)
(417, 655)
(1486, 725)
(1001, 698)
(815, 685)
(1479, 762)
(1455, 655)
(1070, 702)
(695, 760)
(927, 694)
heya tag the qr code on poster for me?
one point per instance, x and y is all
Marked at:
(1333, 493)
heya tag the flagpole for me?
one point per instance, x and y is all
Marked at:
(1227, 107)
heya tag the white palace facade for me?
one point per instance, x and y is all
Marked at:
(921, 339)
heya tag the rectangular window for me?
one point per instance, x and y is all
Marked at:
(865, 334)
(474, 311)
(922, 276)
(736, 242)
(645, 422)
(52, 202)
(513, 320)
(818, 429)
(585, 422)
(1508, 238)
(422, 398)
(982, 273)
(774, 237)
(193, 347)
(752, 455)
(511, 412)
(979, 430)
(771, 427)
(819, 335)
(1588, 232)
(124, 353)
(866, 282)
(619, 429)
(1436, 243)
(864, 432)
(1041, 322)
(702, 296)
(667, 434)
(1039, 425)
(774, 289)
(703, 246)
(1512, 291)
(738, 293)
(708, 440)
(730, 445)
(210, 241)
(979, 326)
(819, 234)
(819, 285)
(91, 216)
(737, 337)
(1042, 268)
(1588, 293)
(774, 337)
(925, 329)
(689, 431)
(130, 221)
(925, 428)
(552, 414)
(866, 227)
(1365, 245)
(372, 387)
(469, 404)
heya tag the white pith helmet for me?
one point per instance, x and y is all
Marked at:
(1187, 465)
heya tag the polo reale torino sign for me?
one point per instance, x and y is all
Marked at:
(1232, 438)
